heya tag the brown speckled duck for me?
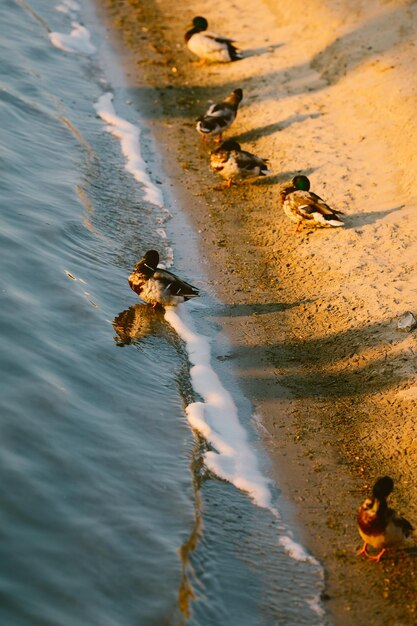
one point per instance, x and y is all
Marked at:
(380, 526)
(305, 208)
(158, 286)
(233, 163)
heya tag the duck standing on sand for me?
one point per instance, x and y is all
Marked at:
(233, 163)
(219, 117)
(158, 286)
(210, 46)
(306, 208)
(379, 526)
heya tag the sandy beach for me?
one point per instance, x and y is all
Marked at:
(312, 316)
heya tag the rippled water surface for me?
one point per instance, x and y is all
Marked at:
(107, 514)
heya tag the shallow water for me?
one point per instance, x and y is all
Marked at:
(107, 512)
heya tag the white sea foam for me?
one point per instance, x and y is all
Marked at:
(129, 136)
(296, 550)
(216, 417)
(69, 7)
(316, 607)
(169, 256)
(162, 233)
(78, 40)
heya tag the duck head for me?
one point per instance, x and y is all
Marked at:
(228, 146)
(301, 183)
(148, 263)
(199, 24)
(235, 98)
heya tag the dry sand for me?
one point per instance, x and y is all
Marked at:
(329, 91)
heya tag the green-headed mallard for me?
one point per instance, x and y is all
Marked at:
(219, 117)
(379, 526)
(306, 208)
(233, 163)
(210, 46)
(158, 286)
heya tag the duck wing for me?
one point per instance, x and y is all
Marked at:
(175, 286)
(216, 119)
(216, 37)
(248, 161)
(400, 522)
(219, 120)
(308, 204)
(220, 110)
(321, 206)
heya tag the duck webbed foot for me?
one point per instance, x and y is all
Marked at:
(363, 550)
(376, 557)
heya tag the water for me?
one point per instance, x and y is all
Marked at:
(108, 512)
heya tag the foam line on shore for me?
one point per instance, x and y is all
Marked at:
(129, 137)
(78, 40)
(216, 417)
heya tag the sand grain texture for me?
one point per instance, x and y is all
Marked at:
(329, 91)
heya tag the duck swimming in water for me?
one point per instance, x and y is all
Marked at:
(210, 47)
(158, 286)
(219, 117)
(305, 207)
(380, 526)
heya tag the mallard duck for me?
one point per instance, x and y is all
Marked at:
(379, 526)
(219, 117)
(158, 286)
(210, 46)
(306, 208)
(233, 163)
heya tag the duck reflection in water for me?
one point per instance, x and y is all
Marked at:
(137, 322)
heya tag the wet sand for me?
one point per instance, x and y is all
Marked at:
(311, 316)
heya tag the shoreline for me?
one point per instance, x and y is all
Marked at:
(329, 381)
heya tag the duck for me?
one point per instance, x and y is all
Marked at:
(380, 526)
(233, 163)
(305, 207)
(210, 47)
(219, 117)
(158, 286)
